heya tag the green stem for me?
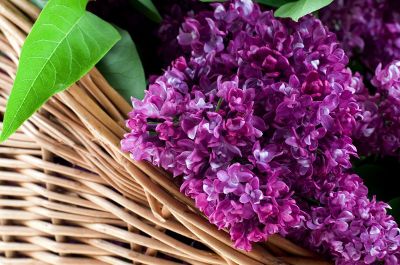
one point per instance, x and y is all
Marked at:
(219, 104)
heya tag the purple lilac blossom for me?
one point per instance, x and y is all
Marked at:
(344, 224)
(174, 13)
(258, 121)
(378, 132)
(367, 29)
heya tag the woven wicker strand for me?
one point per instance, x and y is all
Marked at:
(68, 195)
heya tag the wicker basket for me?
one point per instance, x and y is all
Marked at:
(68, 195)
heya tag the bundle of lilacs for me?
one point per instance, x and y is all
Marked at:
(369, 29)
(257, 121)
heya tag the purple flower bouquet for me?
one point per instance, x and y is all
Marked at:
(260, 120)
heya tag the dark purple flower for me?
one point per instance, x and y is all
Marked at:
(174, 13)
(378, 131)
(367, 29)
(258, 125)
(349, 226)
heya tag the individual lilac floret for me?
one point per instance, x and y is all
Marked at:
(367, 29)
(379, 130)
(252, 121)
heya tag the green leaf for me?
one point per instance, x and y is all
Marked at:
(123, 69)
(296, 10)
(395, 211)
(148, 8)
(39, 3)
(64, 44)
(274, 3)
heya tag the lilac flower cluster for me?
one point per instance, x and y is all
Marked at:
(379, 130)
(256, 123)
(174, 13)
(369, 28)
(345, 224)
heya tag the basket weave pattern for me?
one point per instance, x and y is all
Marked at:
(68, 195)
